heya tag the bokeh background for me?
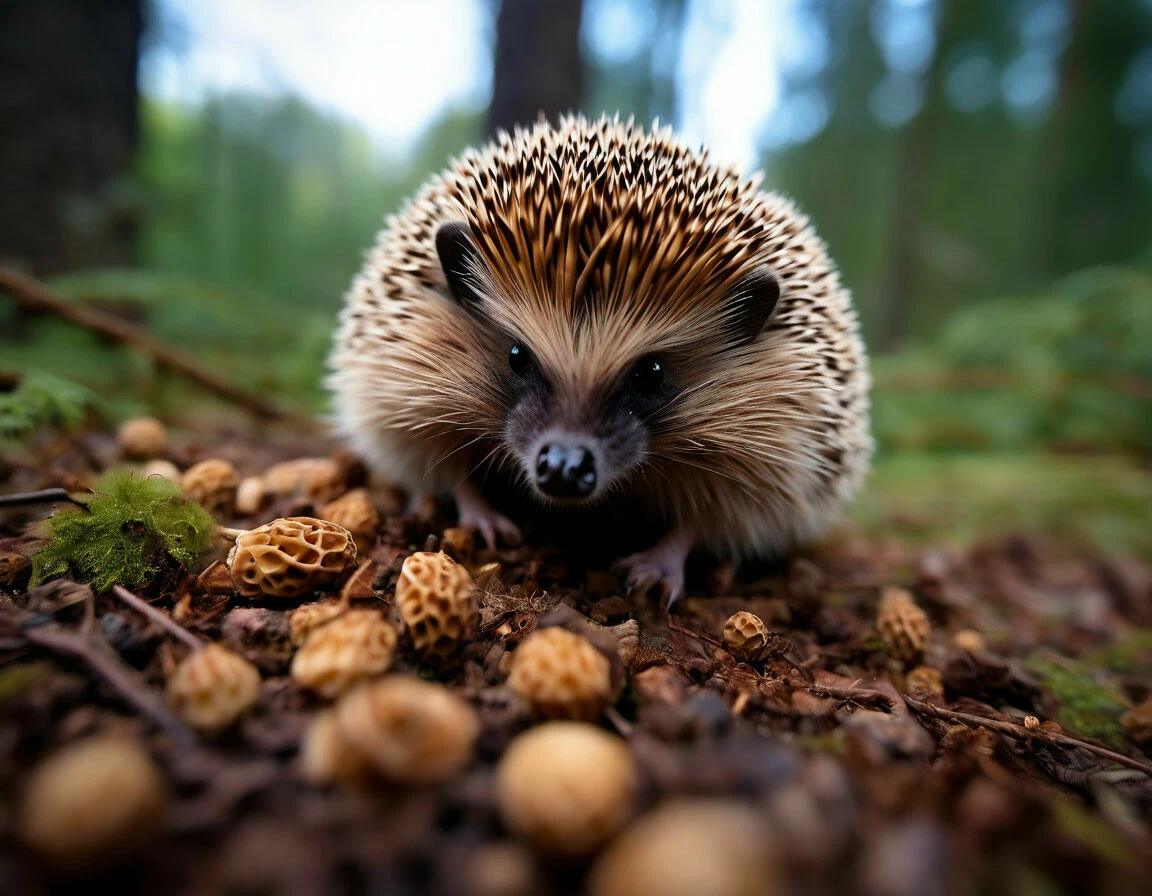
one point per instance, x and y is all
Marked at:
(981, 169)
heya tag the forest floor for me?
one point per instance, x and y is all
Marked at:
(1006, 747)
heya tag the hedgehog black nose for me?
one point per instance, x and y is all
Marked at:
(566, 471)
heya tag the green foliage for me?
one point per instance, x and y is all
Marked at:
(274, 197)
(264, 348)
(1088, 705)
(926, 498)
(1129, 654)
(42, 400)
(131, 528)
(1066, 368)
(1095, 321)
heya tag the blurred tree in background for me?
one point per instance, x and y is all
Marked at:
(68, 130)
(537, 62)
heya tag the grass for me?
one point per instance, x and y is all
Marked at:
(1101, 501)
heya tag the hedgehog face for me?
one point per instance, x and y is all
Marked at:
(585, 394)
(577, 404)
(574, 440)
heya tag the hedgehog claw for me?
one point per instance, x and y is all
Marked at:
(477, 514)
(661, 567)
(486, 531)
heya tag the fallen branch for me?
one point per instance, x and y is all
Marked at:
(43, 496)
(114, 672)
(1019, 732)
(691, 633)
(163, 620)
(33, 295)
(850, 696)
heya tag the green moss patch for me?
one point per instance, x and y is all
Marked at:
(1088, 705)
(130, 529)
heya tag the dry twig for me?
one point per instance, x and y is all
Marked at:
(1019, 732)
(691, 633)
(163, 620)
(113, 671)
(43, 496)
(854, 697)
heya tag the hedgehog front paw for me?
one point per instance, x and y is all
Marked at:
(654, 569)
(661, 567)
(477, 514)
(492, 526)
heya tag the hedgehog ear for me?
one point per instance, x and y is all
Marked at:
(461, 261)
(751, 306)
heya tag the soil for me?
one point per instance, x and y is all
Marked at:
(869, 778)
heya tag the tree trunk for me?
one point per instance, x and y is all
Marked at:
(915, 146)
(68, 129)
(1095, 193)
(538, 66)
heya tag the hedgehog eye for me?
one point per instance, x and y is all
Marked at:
(647, 375)
(519, 359)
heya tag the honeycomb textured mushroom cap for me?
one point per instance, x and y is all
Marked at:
(355, 512)
(12, 566)
(439, 604)
(561, 675)
(142, 438)
(747, 638)
(924, 680)
(460, 544)
(344, 652)
(326, 757)
(212, 484)
(904, 627)
(306, 618)
(566, 787)
(409, 731)
(250, 495)
(92, 803)
(213, 687)
(290, 557)
(685, 848)
(315, 478)
(165, 469)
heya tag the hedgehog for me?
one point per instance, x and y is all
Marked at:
(601, 310)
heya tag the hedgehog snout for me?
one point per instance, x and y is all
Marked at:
(565, 470)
